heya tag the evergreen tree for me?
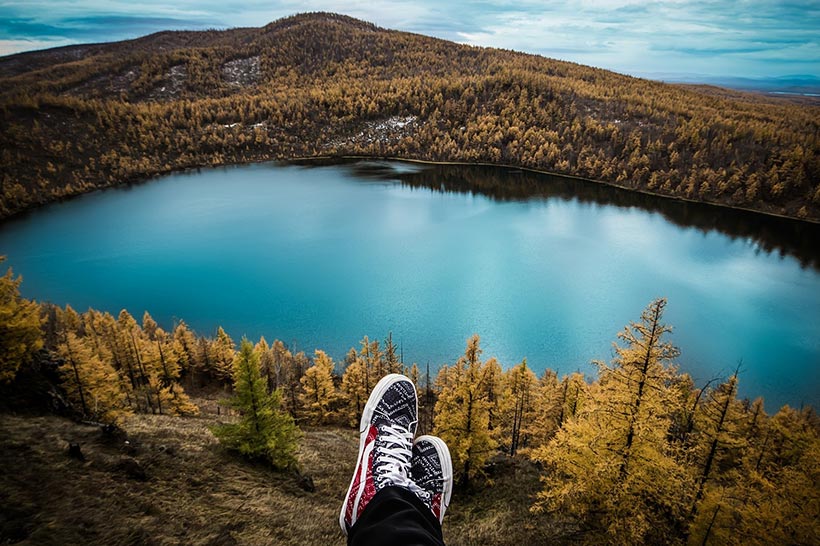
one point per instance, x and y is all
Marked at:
(264, 431)
(20, 334)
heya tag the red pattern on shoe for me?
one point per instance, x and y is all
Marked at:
(351, 507)
(431, 470)
(387, 428)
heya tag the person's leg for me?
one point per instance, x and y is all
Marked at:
(399, 490)
(396, 517)
(386, 433)
(431, 469)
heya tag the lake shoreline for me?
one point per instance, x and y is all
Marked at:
(432, 254)
(348, 157)
(550, 173)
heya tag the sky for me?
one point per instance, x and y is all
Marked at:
(663, 39)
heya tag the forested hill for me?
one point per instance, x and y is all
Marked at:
(77, 118)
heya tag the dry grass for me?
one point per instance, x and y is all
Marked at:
(196, 493)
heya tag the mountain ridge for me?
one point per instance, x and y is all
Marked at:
(328, 84)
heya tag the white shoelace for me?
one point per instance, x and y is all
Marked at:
(392, 464)
(393, 451)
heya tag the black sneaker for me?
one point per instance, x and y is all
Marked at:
(385, 445)
(432, 471)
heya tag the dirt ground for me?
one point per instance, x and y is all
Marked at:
(169, 482)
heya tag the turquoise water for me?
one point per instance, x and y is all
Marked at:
(541, 268)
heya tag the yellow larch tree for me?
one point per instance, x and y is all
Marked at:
(770, 495)
(718, 435)
(222, 352)
(392, 361)
(520, 391)
(354, 393)
(553, 402)
(167, 371)
(90, 383)
(462, 412)
(20, 334)
(318, 393)
(186, 354)
(611, 466)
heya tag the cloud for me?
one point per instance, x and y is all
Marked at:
(10, 47)
(749, 38)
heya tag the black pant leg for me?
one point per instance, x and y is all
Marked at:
(396, 517)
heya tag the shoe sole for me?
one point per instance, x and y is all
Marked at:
(364, 424)
(446, 468)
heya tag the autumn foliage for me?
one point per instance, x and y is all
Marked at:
(84, 117)
(639, 454)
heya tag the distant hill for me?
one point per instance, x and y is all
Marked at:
(803, 85)
(77, 118)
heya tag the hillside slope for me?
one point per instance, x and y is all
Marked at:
(172, 483)
(83, 117)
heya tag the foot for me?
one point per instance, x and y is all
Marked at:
(432, 471)
(385, 445)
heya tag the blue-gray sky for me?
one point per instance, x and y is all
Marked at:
(663, 38)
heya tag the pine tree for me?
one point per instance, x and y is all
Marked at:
(318, 392)
(264, 431)
(462, 412)
(20, 334)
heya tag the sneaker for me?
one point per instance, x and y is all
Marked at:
(385, 445)
(431, 469)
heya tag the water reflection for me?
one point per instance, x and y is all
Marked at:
(769, 234)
